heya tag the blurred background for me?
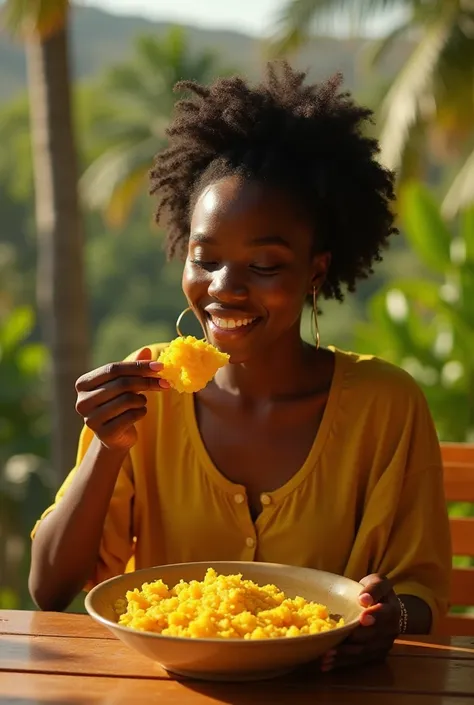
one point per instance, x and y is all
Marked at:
(85, 97)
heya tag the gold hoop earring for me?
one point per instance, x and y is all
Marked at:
(314, 319)
(180, 318)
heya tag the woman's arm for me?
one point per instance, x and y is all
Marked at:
(419, 615)
(66, 546)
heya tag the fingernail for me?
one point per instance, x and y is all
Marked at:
(164, 384)
(366, 599)
(155, 366)
(368, 620)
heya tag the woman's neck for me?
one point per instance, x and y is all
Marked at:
(276, 374)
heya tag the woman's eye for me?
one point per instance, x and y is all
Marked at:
(266, 270)
(204, 264)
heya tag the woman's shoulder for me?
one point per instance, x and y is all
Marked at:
(155, 348)
(374, 377)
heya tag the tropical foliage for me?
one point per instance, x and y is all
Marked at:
(428, 110)
(426, 324)
(132, 130)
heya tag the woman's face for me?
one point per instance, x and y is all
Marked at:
(250, 266)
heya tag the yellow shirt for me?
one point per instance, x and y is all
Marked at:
(368, 499)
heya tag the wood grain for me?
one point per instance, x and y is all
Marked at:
(63, 658)
(457, 647)
(51, 624)
(104, 657)
(462, 586)
(456, 624)
(44, 689)
(462, 537)
(16, 622)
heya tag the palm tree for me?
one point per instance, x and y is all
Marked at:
(43, 25)
(140, 97)
(432, 95)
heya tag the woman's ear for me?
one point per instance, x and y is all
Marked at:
(320, 267)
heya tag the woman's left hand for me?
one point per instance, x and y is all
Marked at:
(379, 627)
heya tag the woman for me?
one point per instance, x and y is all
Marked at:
(294, 453)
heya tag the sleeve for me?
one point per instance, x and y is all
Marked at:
(116, 548)
(420, 544)
(418, 555)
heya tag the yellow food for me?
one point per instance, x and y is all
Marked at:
(221, 606)
(189, 364)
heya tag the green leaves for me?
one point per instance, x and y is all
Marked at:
(141, 99)
(299, 17)
(424, 227)
(15, 328)
(427, 325)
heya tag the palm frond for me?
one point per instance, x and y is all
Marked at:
(377, 49)
(460, 194)
(108, 176)
(400, 109)
(124, 197)
(299, 18)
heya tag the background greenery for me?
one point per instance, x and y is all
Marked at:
(417, 310)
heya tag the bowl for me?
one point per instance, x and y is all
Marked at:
(233, 659)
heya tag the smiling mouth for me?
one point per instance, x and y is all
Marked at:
(231, 323)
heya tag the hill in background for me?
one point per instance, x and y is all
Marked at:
(100, 39)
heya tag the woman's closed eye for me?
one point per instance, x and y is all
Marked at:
(269, 269)
(204, 264)
(210, 265)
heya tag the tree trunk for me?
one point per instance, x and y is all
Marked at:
(60, 271)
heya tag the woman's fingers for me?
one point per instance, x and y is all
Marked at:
(115, 407)
(107, 373)
(376, 588)
(87, 402)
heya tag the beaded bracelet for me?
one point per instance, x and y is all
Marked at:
(403, 623)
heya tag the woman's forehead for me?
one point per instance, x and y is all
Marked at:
(235, 200)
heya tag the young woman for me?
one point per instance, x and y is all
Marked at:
(294, 453)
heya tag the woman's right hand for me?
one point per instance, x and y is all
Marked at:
(110, 401)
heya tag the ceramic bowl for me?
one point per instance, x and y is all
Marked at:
(233, 659)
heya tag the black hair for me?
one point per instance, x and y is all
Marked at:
(308, 139)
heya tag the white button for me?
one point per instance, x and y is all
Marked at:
(250, 542)
(265, 499)
(239, 498)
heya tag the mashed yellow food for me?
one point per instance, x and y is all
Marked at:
(221, 606)
(189, 364)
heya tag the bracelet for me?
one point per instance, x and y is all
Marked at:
(403, 622)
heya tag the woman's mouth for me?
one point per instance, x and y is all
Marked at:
(230, 323)
(231, 326)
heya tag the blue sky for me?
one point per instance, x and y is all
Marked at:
(252, 16)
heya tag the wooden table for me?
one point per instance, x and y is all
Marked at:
(48, 658)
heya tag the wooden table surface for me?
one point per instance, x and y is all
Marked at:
(48, 658)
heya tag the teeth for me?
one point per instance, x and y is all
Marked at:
(230, 322)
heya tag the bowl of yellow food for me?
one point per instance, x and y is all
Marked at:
(228, 621)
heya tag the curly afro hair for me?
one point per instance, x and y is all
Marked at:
(307, 139)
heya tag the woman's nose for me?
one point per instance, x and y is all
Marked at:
(228, 285)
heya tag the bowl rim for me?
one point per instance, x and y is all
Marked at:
(348, 627)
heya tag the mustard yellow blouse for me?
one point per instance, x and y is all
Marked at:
(368, 499)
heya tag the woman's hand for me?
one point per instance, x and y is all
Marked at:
(110, 402)
(379, 627)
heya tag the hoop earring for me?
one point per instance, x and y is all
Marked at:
(180, 318)
(314, 320)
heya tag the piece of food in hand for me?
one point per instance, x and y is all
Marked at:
(189, 364)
